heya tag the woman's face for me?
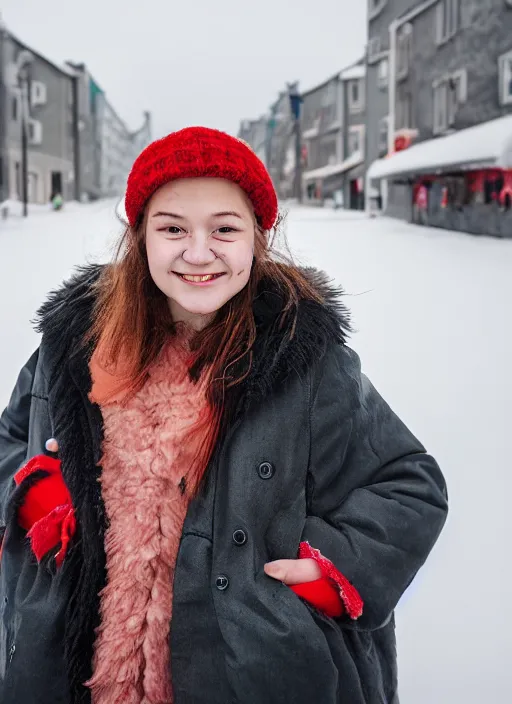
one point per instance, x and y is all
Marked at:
(200, 244)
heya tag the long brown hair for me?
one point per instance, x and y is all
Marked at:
(132, 322)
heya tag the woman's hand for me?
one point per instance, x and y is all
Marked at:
(292, 572)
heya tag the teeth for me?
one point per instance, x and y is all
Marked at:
(198, 279)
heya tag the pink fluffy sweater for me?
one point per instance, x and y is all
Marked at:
(148, 449)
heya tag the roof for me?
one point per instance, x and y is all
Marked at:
(63, 68)
(358, 68)
(354, 72)
(485, 145)
(332, 169)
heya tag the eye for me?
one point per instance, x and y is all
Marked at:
(172, 230)
(225, 234)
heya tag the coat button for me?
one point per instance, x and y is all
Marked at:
(222, 582)
(239, 537)
(52, 445)
(266, 470)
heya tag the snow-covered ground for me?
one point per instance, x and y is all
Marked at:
(432, 309)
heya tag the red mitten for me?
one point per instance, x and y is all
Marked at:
(322, 595)
(47, 512)
(332, 594)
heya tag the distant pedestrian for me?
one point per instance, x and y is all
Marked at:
(204, 499)
(57, 201)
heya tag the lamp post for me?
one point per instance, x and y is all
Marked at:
(24, 66)
(295, 107)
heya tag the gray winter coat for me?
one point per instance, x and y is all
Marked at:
(312, 453)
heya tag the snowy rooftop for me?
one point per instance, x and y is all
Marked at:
(333, 169)
(488, 144)
(353, 72)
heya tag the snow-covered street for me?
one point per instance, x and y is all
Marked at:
(434, 331)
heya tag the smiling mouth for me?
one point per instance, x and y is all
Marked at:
(198, 278)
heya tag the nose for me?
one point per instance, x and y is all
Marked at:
(198, 252)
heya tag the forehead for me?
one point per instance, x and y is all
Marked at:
(203, 194)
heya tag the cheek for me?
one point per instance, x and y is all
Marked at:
(239, 259)
(160, 252)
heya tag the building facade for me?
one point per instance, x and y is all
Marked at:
(255, 133)
(280, 143)
(381, 14)
(118, 146)
(333, 137)
(77, 144)
(49, 100)
(450, 82)
(322, 138)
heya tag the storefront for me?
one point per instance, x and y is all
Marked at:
(459, 182)
(342, 183)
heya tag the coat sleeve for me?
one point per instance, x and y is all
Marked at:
(377, 501)
(14, 424)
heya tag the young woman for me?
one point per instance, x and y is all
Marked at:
(204, 501)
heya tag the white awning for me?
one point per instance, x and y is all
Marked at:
(482, 146)
(333, 169)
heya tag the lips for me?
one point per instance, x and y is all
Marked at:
(198, 278)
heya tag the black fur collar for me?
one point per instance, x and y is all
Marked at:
(66, 315)
(64, 320)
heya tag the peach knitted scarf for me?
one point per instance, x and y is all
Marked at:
(150, 440)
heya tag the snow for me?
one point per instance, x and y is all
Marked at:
(432, 310)
(486, 144)
(353, 73)
(332, 169)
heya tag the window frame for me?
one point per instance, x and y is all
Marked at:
(447, 20)
(503, 70)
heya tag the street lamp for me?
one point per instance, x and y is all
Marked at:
(24, 68)
(296, 101)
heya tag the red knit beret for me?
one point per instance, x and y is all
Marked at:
(200, 151)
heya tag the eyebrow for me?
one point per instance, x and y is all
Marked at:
(228, 212)
(162, 214)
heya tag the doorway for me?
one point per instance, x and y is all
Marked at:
(56, 184)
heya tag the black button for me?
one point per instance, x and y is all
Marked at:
(239, 537)
(222, 582)
(266, 470)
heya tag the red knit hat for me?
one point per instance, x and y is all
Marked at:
(200, 151)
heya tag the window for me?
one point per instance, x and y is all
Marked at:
(450, 93)
(383, 136)
(404, 118)
(374, 48)
(355, 95)
(37, 93)
(383, 73)
(404, 50)
(355, 140)
(15, 108)
(35, 132)
(505, 74)
(447, 19)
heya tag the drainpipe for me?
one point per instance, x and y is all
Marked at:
(393, 32)
(77, 167)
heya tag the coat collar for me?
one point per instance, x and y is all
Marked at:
(65, 318)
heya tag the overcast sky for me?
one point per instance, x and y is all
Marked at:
(210, 62)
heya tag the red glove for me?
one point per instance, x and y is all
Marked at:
(47, 512)
(332, 594)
